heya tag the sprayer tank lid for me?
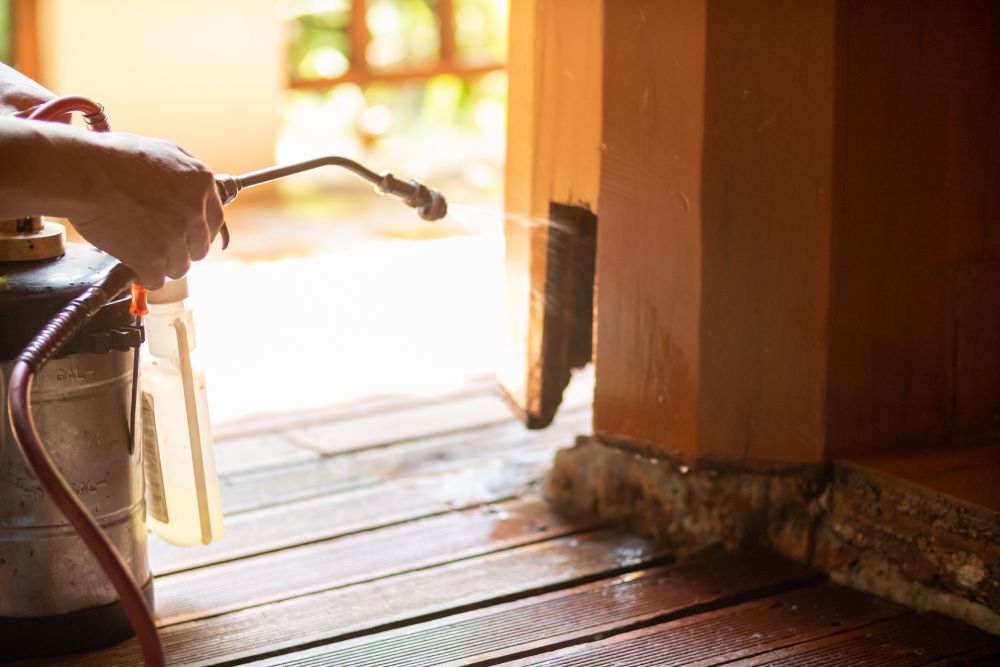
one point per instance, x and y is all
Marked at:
(171, 292)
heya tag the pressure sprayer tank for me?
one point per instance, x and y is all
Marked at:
(53, 595)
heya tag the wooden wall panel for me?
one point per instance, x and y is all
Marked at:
(916, 208)
(767, 173)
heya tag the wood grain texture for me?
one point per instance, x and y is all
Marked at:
(649, 237)
(584, 613)
(916, 206)
(798, 244)
(719, 637)
(715, 221)
(766, 197)
(339, 562)
(386, 603)
(919, 639)
(339, 514)
(553, 143)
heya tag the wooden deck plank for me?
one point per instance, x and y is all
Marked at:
(282, 484)
(910, 640)
(354, 558)
(387, 603)
(401, 425)
(583, 613)
(731, 633)
(361, 407)
(326, 517)
(256, 452)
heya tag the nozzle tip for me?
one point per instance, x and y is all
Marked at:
(436, 208)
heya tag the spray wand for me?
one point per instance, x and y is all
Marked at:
(431, 205)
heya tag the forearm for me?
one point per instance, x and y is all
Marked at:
(42, 168)
(18, 92)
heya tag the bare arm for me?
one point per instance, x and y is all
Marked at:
(143, 200)
(18, 92)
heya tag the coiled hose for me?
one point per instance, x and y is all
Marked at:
(45, 345)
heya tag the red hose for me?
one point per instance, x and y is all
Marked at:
(43, 347)
(92, 112)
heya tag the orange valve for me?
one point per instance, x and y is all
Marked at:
(139, 307)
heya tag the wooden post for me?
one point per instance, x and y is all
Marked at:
(25, 29)
(553, 146)
(713, 248)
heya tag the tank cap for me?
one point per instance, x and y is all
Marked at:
(172, 291)
(31, 239)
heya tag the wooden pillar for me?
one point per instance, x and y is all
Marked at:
(713, 247)
(798, 270)
(553, 144)
(798, 249)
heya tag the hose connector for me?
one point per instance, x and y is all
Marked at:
(228, 187)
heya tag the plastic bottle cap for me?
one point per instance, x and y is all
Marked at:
(171, 292)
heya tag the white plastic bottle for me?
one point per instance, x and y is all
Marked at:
(182, 487)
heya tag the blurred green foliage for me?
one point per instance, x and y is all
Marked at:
(443, 123)
(319, 39)
(481, 31)
(6, 36)
(404, 34)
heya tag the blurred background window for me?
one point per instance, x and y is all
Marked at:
(416, 84)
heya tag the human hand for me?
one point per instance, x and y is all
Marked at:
(145, 201)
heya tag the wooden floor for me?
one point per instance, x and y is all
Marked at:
(405, 532)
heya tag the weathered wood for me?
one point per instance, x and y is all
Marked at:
(731, 633)
(275, 486)
(916, 546)
(326, 517)
(584, 613)
(553, 145)
(920, 639)
(863, 527)
(387, 603)
(339, 562)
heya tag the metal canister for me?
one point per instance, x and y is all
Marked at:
(54, 598)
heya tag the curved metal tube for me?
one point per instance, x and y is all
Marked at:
(273, 173)
(430, 203)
